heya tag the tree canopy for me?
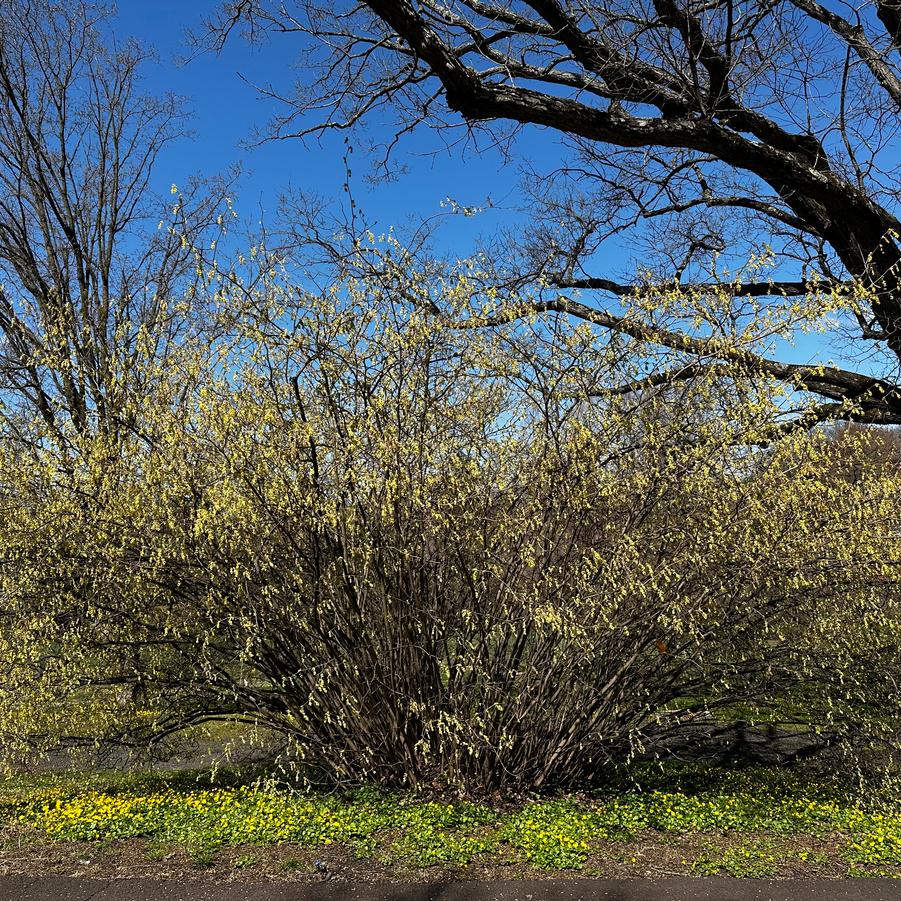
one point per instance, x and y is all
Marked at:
(92, 264)
(698, 128)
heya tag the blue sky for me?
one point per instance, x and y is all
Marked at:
(226, 108)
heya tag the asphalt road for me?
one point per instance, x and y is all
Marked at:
(59, 888)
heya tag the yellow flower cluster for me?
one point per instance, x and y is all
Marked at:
(548, 834)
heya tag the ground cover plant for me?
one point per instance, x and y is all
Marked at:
(715, 820)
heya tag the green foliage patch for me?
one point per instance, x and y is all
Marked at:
(754, 859)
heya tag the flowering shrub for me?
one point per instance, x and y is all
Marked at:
(427, 552)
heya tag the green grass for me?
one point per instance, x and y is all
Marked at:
(203, 815)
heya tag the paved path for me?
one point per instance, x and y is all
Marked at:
(60, 888)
